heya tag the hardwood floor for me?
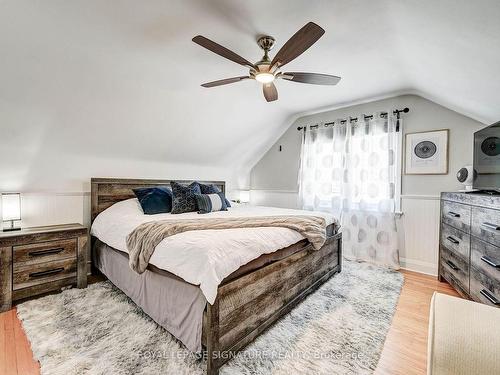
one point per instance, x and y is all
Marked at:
(405, 349)
(404, 353)
(15, 352)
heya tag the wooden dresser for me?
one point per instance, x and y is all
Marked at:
(469, 251)
(39, 260)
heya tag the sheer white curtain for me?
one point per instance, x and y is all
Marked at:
(351, 170)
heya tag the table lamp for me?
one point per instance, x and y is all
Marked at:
(244, 196)
(11, 210)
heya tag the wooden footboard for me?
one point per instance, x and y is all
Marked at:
(248, 305)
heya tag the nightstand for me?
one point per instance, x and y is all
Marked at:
(42, 259)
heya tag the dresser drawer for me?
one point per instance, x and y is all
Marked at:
(483, 288)
(486, 224)
(35, 274)
(456, 215)
(485, 258)
(455, 269)
(44, 252)
(456, 241)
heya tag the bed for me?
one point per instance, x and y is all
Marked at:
(257, 284)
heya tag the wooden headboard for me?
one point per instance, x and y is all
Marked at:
(107, 191)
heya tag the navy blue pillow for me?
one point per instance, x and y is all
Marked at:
(212, 189)
(184, 199)
(155, 200)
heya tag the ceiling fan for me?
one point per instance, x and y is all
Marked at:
(266, 70)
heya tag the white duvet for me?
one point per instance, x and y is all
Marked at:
(203, 257)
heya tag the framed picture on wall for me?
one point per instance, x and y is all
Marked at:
(427, 152)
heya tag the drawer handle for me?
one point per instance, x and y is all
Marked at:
(490, 226)
(452, 265)
(453, 240)
(454, 214)
(40, 253)
(46, 273)
(490, 297)
(490, 261)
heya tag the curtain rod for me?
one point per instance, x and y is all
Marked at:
(396, 112)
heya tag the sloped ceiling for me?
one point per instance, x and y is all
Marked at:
(92, 80)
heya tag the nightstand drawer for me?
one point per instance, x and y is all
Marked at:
(44, 252)
(35, 274)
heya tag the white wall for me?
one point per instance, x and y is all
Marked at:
(58, 192)
(112, 89)
(274, 178)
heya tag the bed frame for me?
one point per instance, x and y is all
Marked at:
(251, 303)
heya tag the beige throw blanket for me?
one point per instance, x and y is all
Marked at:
(143, 240)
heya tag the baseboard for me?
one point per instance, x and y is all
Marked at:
(414, 265)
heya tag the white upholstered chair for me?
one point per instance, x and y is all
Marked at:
(464, 337)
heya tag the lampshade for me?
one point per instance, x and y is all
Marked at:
(11, 206)
(244, 196)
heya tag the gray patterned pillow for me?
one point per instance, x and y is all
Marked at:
(184, 199)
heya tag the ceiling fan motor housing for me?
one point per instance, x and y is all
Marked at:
(266, 42)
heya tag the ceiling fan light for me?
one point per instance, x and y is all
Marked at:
(265, 77)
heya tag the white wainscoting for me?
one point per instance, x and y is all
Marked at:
(420, 222)
(49, 208)
(274, 198)
(419, 226)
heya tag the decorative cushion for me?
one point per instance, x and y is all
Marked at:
(212, 189)
(211, 202)
(184, 197)
(155, 200)
(460, 337)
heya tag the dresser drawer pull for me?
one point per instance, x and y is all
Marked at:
(490, 297)
(454, 214)
(490, 226)
(40, 253)
(452, 265)
(46, 273)
(453, 240)
(490, 261)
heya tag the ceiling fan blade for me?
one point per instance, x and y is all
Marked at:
(312, 78)
(298, 43)
(270, 92)
(221, 51)
(226, 81)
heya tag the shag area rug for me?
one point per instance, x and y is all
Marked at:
(340, 329)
